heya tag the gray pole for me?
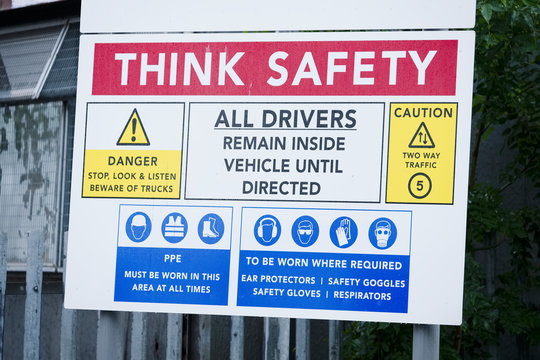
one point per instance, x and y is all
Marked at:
(111, 335)
(68, 341)
(174, 336)
(3, 276)
(237, 337)
(303, 331)
(335, 330)
(276, 338)
(32, 306)
(426, 342)
(204, 337)
(138, 335)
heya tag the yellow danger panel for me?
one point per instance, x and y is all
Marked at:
(421, 153)
(134, 133)
(132, 174)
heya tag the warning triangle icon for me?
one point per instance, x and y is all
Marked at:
(422, 138)
(134, 133)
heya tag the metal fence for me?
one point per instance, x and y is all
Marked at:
(123, 335)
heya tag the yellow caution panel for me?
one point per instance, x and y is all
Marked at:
(421, 153)
(132, 174)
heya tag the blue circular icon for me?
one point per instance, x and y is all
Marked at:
(382, 233)
(211, 228)
(305, 231)
(343, 232)
(267, 230)
(138, 227)
(174, 227)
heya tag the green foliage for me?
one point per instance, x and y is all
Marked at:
(517, 315)
(506, 96)
(507, 82)
(378, 341)
(508, 309)
(479, 315)
(485, 214)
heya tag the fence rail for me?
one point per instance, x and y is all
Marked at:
(122, 335)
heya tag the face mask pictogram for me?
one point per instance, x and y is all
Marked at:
(382, 233)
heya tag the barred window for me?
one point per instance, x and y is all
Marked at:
(31, 153)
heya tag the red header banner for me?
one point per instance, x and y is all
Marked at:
(300, 68)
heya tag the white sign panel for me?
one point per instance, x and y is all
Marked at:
(267, 160)
(241, 15)
(315, 175)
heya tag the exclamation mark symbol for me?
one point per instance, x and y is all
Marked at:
(133, 128)
(133, 133)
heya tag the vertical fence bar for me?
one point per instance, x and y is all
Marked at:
(204, 342)
(303, 330)
(68, 343)
(32, 305)
(335, 334)
(111, 335)
(67, 339)
(3, 276)
(138, 336)
(237, 337)
(276, 338)
(174, 337)
(426, 342)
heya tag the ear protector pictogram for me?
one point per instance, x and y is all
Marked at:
(274, 227)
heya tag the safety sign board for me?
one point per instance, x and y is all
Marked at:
(314, 175)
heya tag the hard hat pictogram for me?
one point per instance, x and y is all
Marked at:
(422, 138)
(133, 133)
